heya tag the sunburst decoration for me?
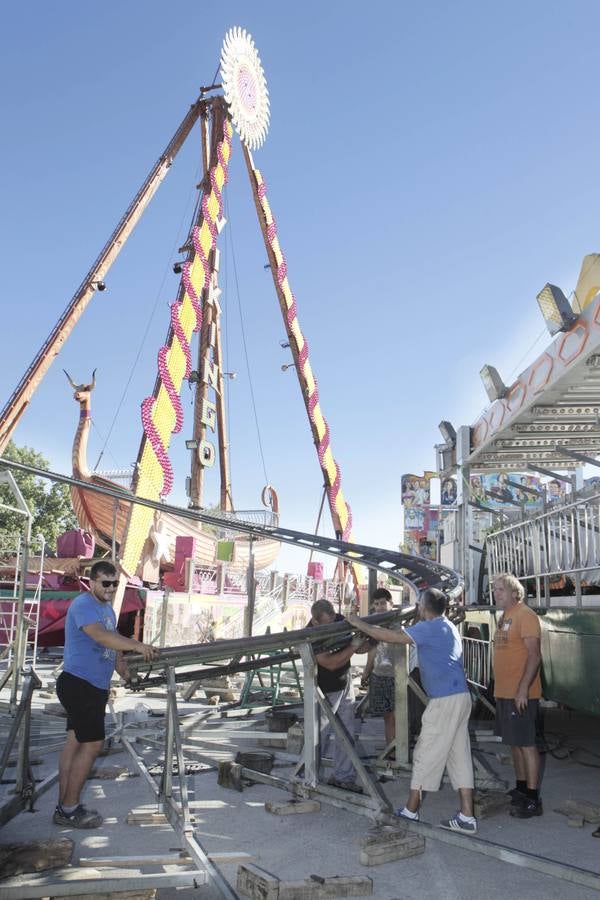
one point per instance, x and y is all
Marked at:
(245, 87)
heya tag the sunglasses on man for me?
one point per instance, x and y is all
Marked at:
(107, 584)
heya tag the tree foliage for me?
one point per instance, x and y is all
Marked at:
(49, 504)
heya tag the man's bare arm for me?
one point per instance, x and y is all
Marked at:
(115, 641)
(534, 658)
(379, 633)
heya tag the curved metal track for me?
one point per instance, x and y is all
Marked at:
(415, 571)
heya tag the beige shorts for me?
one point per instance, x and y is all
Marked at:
(444, 744)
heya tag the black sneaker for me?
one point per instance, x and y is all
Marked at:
(516, 797)
(528, 809)
(79, 818)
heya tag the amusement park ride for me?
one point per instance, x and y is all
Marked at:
(139, 528)
(141, 537)
(138, 537)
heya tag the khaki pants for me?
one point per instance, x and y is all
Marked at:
(444, 744)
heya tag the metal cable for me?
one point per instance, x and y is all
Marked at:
(149, 321)
(244, 342)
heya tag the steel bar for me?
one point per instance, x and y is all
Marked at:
(193, 846)
(563, 871)
(52, 885)
(416, 572)
(373, 787)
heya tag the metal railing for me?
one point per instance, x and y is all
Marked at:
(477, 660)
(563, 541)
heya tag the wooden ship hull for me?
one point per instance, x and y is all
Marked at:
(102, 516)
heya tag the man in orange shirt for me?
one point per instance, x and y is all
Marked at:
(517, 689)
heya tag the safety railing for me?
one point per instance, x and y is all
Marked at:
(561, 542)
(477, 661)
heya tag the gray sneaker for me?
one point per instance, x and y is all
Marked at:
(79, 818)
(457, 823)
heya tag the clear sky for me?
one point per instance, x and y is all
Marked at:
(431, 166)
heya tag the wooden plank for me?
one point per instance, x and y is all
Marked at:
(131, 862)
(292, 807)
(165, 859)
(379, 847)
(146, 818)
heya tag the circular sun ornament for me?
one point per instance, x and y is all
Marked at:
(245, 87)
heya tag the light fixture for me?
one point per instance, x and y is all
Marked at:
(99, 285)
(493, 384)
(230, 375)
(194, 377)
(447, 431)
(178, 267)
(284, 344)
(192, 444)
(287, 366)
(555, 309)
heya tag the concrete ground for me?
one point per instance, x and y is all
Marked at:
(326, 843)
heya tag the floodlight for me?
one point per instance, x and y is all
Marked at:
(192, 444)
(447, 431)
(493, 384)
(555, 309)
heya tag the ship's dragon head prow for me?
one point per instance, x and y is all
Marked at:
(82, 391)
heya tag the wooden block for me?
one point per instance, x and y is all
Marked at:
(390, 849)
(145, 818)
(347, 886)
(300, 890)
(230, 776)
(279, 741)
(34, 856)
(317, 888)
(589, 811)
(575, 821)
(292, 807)
(382, 835)
(488, 803)
(257, 883)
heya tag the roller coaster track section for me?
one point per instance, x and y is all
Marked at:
(256, 652)
(414, 571)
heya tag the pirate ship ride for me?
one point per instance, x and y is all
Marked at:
(142, 541)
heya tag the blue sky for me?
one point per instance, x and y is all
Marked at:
(430, 166)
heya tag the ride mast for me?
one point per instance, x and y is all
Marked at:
(34, 374)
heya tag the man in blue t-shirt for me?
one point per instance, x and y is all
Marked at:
(444, 740)
(93, 650)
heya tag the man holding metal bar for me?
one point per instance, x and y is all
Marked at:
(335, 680)
(444, 740)
(93, 650)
